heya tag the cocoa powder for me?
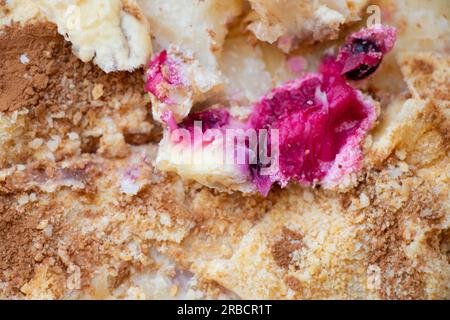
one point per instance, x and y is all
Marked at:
(18, 233)
(282, 249)
(52, 77)
(26, 64)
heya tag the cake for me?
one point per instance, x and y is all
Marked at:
(97, 199)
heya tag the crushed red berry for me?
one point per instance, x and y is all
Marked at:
(316, 119)
(363, 51)
(320, 118)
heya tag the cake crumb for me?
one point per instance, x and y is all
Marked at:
(97, 92)
(401, 154)
(173, 290)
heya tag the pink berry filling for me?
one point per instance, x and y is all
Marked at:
(317, 119)
(321, 120)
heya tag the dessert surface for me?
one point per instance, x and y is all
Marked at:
(97, 203)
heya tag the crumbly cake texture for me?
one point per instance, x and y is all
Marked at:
(84, 213)
(291, 23)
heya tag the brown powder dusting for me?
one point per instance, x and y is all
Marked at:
(21, 244)
(25, 246)
(294, 284)
(422, 66)
(282, 249)
(444, 244)
(123, 274)
(43, 81)
(22, 83)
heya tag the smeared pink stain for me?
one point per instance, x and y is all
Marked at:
(162, 77)
(296, 65)
(168, 118)
(287, 42)
(132, 174)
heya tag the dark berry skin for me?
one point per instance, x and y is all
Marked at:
(361, 73)
(263, 183)
(364, 48)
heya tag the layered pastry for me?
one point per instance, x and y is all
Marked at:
(224, 149)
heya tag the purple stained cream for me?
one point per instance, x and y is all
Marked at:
(320, 118)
